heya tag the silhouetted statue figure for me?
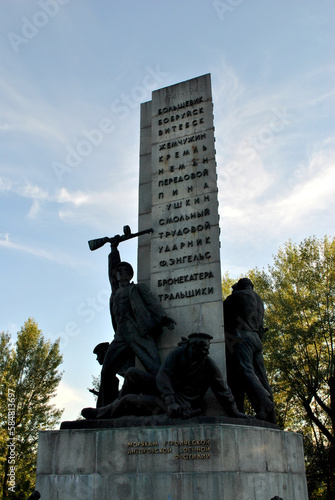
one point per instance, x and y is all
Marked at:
(141, 400)
(100, 350)
(246, 374)
(137, 319)
(178, 389)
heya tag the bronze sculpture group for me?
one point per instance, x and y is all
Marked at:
(177, 387)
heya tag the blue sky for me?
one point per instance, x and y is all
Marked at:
(73, 75)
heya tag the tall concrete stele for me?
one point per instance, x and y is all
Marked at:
(180, 260)
(160, 458)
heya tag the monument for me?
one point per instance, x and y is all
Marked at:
(159, 454)
(178, 198)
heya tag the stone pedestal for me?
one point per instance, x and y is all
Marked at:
(201, 459)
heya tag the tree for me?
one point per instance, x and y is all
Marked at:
(29, 377)
(299, 291)
(227, 283)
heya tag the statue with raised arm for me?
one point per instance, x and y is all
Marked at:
(137, 319)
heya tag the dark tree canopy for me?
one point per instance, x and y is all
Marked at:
(298, 291)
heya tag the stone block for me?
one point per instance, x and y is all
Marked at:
(144, 223)
(146, 111)
(69, 445)
(144, 205)
(145, 141)
(276, 462)
(145, 169)
(197, 321)
(143, 266)
(177, 156)
(112, 458)
(250, 450)
(186, 123)
(294, 452)
(145, 117)
(184, 461)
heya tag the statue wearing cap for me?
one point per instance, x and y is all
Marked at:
(137, 319)
(246, 374)
(178, 389)
(186, 375)
(100, 351)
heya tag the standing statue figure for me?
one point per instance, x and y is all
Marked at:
(246, 374)
(137, 319)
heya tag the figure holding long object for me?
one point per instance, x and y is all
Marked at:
(137, 319)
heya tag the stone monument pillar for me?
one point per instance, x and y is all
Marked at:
(180, 260)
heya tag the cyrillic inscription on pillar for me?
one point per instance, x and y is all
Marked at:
(181, 263)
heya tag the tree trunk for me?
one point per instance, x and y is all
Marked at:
(5, 478)
(331, 383)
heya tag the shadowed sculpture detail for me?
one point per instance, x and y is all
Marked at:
(100, 350)
(178, 389)
(246, 374)
(137, 319)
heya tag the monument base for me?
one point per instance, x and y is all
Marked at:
(183, 460)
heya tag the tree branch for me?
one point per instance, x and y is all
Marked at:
(317, 422)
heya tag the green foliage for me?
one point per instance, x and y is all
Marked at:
(29, 378)
(298, 291)
(227, 283)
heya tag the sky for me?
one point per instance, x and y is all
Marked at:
(73, 76)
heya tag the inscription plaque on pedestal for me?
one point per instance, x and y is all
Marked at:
(180, 261)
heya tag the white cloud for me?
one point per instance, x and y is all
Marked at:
(94, 208)
(71, 400)
(268, 186)
(32, 191)
(244, 115)
(315, 192)
(101, 209)
(26, 189)
(5, 184)
(285, 207)
(75, 198)
(34, 209)
(4, 237)
(25, 111)
(36, 193)
(62, 259)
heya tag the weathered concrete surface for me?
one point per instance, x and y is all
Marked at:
(163, 420)
(198, 462)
